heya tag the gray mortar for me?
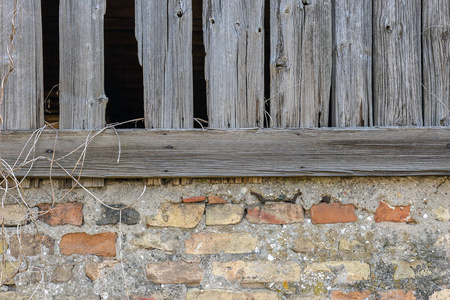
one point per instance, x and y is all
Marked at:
(380, 242)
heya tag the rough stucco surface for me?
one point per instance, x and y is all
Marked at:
(376, 257)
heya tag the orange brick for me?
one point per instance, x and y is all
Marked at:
(194, 199)
(102, 244)
(216, 200)
(328, 213)
(397, 295)
(387, 213)
(61, 213)
(339, 295)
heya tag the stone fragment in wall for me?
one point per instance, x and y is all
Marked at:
(93, 269)
(352, 270)
(396, 295)
(340, 295)
(194, 199)
(173, 272)
(101, 244)
(62, 273)
(215, 243)
(27, 245)
(67, 297)
(196, 294)
(302, 245)
(55, 273)
(279, 213)
(15, 296)
(298, 297)
(405, 269)
(152, 241)
(61, 213)
(8, 270)
(15, 214)
(444, 242)
(330, 213)
(388, 213)
(216, 200)
(184, 215)
(442, 213)
(347, 245)
(111, 216)
(257, 271)
(441, 295)
(226, 214)
(3, 246)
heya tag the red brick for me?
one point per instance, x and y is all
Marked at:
(280, 213)
(328, 213)
(387, 213)
(397, 295)
(194, 199)
(216, 200)
(339, 295)
(175, 272)
(102, 244)
(61, 213)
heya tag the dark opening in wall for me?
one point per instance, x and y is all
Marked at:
(198, 56)
(50, 35)
(123, 73)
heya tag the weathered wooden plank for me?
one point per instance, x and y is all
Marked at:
(300, 62)
(436, 61)
(21, 85)
(164, 34)
(352, 60)
(245, 153)
(397, 63)
(234, 63)
(81, 88)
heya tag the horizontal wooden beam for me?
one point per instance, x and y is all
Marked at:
(237, 153)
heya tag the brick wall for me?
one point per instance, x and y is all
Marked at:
(310, 238)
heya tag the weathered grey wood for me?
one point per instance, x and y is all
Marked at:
(81, 88)
(164, 34)
(397, 63)
(352, 60)
(247, 153)
(436, 61)
(21, 91)
(300, 62)
(234, 63)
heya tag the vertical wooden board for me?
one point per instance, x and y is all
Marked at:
(81, 90)
(300, 62)
(22, 100)
(234, 64)
(352, 64)
(397, 63)
(436, 62)
(164, 34)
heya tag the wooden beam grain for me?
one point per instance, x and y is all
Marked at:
(22, 106)
(242, 153)
(300, 63)
(397, 62)
(436, 62)
(81, 89)
(234, 63)
(164, 35)
(352, 61)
